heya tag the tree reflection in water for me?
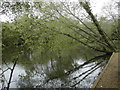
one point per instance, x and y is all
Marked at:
(76, 73)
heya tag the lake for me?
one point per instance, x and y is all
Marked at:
(53, 70)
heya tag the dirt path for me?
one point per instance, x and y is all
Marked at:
(109, 77)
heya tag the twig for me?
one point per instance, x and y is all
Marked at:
(5, 71)
(69, 12)
(11, 74)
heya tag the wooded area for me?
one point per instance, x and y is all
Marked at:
(58, 32)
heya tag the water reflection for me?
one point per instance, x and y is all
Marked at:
(54, 69)
(45, 76)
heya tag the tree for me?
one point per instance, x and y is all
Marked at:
(107, 44)
(55, 33)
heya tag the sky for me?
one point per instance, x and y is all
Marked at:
(96, 6)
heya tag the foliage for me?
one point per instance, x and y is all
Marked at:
(57, 34)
